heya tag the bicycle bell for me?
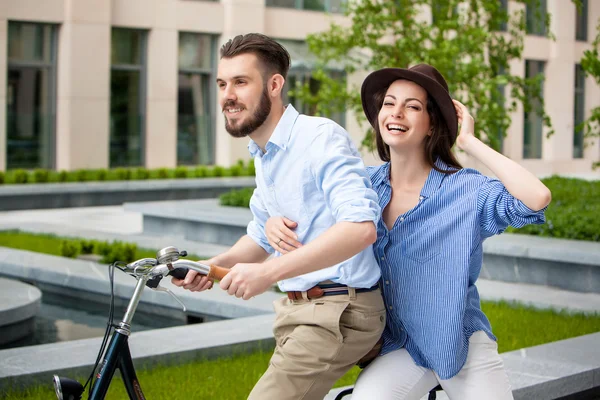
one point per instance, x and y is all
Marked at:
(168, 255)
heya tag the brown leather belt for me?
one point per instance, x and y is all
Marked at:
(332, 289)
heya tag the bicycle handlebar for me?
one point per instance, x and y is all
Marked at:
(150, 271)
(173, 267)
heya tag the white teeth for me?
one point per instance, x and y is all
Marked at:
(234, 110)
(394, 127)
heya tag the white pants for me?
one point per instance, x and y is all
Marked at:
(395, 376)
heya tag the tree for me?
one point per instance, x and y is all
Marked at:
(590, 63)
(470, 42)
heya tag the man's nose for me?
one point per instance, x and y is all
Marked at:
(229, 93)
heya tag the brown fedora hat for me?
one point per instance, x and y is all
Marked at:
(425, 76)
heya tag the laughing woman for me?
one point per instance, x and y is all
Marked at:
(436, 216)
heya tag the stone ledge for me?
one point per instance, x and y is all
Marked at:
(85, 194)
(27, 366)
(86, 277)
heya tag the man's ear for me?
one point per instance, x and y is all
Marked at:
(276, 85)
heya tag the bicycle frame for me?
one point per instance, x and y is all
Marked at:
(119, 356)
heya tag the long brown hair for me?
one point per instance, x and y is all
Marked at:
(437, 145)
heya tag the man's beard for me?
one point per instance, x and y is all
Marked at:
(254, 122)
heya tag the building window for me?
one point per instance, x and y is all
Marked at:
(536, 12)
(127, 97)
(533, 128)
(31, 95)
(303, 63)
(579, 111)
(581, 21)
(503, 11)
(332, 6)
(195, 109)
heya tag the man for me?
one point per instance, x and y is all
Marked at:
(307, 170)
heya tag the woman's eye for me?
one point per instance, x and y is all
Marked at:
(388, 103)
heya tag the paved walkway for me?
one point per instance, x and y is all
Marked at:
(115, 223)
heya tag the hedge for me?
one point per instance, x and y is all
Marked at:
(22, 176)
(574, 212)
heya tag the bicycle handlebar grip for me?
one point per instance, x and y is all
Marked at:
(217, 273)
(179, 273)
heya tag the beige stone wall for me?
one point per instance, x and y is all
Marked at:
(83, 74)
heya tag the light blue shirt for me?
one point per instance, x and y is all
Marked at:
(312, 173)
(431, 258)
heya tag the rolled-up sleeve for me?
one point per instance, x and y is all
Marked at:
(340, 174)
(498, 209)
(256, 227)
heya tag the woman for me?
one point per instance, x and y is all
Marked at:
(429, 247)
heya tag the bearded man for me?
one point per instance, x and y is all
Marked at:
(307, 170)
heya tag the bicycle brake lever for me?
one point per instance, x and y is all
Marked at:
(164, 289)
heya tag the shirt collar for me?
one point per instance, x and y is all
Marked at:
(433, 182)
(435, 178)
(282, 133)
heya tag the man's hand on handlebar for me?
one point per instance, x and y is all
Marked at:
(194, 281)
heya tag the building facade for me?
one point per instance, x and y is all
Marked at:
(117, 83)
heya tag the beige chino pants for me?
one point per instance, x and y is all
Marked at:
(317, 342)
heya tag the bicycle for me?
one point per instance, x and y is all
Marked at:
(148, 272)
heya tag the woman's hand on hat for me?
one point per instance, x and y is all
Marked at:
(280, 234)
(467, 125)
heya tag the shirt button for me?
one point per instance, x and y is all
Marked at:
(421, 197)
(390, 307)
(387, 282)
(382, 257)
(401, 219)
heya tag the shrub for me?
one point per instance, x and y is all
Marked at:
(19, 176)
(237, 198)
(218, 171)
(181, 172)
(251, 170)
(101, 174)
(70, 248)
(574, 212)
(119, 251)
(123, 174)
(40, 175)
(1, 177)
(141, 173)
(81, 175)
(235, 170)
(200, 171)
(162, 173)
(102, 248)
(63, 176)
(210, 172)
(87, 246)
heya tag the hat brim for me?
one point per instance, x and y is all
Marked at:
(380, 80)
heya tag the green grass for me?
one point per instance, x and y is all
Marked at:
(50, 244)
(516, 326)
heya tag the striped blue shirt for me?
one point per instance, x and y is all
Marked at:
(431, 258)
(312, 173)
